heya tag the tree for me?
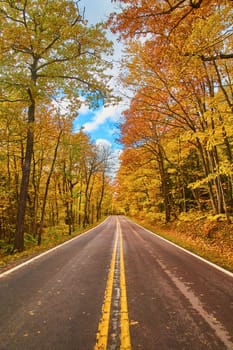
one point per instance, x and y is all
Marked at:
(138, 187)
(164, 19)
(47, 185)
(47, 49)
(180, 73)
(104, 155)
(71, 166)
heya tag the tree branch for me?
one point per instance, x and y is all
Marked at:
(64, 77)
(204, 58)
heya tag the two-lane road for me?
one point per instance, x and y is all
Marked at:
(116, 287)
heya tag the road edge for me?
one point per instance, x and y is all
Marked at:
(229, 273)
(40, 255)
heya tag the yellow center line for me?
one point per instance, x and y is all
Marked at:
(103, 329)
(125, 334)
(102, 334)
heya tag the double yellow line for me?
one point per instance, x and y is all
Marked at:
(103, 329)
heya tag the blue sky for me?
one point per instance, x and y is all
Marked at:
(100, 124)
(97, 10)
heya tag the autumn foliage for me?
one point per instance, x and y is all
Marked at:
(50, 56)
(177, 132)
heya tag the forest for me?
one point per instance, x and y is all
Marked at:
(50, 175)
(176, 134)
(176, 165)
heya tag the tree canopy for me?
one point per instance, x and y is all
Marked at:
(48, 51)
(178, 66)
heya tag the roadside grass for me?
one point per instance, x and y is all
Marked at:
(212, 241)
(52, 237)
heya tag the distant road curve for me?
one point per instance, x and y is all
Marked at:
(118, 286)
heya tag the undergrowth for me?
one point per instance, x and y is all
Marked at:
(209, 238)
(52, 237)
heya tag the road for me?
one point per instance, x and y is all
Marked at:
(116, 287)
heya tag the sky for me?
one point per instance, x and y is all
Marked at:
(97, 10)
(101, 124)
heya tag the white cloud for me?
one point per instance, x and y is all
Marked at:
(103, 142)
(84, 109)
(111, 113)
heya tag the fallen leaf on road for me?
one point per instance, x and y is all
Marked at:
(133, 323)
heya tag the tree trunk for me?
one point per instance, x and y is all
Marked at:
(19, 234)
(206, 168)
(165, 185)
(80, 205)
(87, 201)
(99, 202)
(47, 189)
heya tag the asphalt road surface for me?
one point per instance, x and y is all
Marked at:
(116, 287)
